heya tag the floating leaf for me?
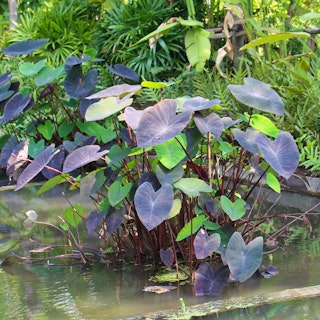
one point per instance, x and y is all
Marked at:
(78, 85)
(160, 123)
(117, 192)
(81, 156)
(205, 245)
(282, 154)
(191, 227)
(235, 210)
(211, 123)
(167, 257)
(243, 260)
(159, 289)
(208, 282)
(94, 219)
(192, 186)
(35, 167)
(247, 139)
(258, 95)
(153, 207)
(24, 47)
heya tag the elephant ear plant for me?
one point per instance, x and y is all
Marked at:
(175, 183)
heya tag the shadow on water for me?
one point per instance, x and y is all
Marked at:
(45, 291)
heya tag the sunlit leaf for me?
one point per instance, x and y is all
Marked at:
(191, 227)
(118, 90)
(273, 182)
(264, 125)
(51, 183)
(235, 210)
(47, 129)
(81, 156)
(72, 215)
(153, 207)
(192, 186)
(243, 260)
(18, 158)
(153, 85)
(175, 210)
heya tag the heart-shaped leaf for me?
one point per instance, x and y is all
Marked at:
(133, 116)
(191, 227)
(117, 192)
(192, 186)
(114, 219)
(35, 167)
(243, 260)
(282, 154)
(211, 123)
(24, 47)
(204, 245)
(153, 207)
(47, 129)
(118, 90)
(199, 103)
(105, 108)
(235, 210)
(29, 69)
(81, 156)
(258, 95)
(78, 85)
(247, 139)
(94, 219)
(167, 257)
(165, 175)
(48, 75)
(208, 282)
(56, 163)
(161, 123)
(170, 153)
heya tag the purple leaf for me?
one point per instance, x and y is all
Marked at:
(6, 151)
(208, 282)
(94, 219)
(199, 103)
(282, 154)
(153, 207)
(161, 123)
(247, 139)
(17, 158)
(114, 219)
(24, 47)
(204, 245)
(133, 116)
(211, 123)
(271, 269)
(56, 163)
(81, 156)
(35, 167)
(167, 257)
(124, 71)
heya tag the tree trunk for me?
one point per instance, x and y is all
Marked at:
(13, 12)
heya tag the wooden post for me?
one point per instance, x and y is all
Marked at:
(13, 12)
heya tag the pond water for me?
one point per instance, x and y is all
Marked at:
(52, 291)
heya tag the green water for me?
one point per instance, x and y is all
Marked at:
(45, 291)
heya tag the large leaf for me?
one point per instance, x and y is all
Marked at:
(48, 75)
(191, 227)
(124, 71)
(198, 47)
(258, 95)
(167, 257)
(211, 123)
(235, 210)
(105, 108)
(274, 38)
(208, 282)
(81, 156)
(282, 154)
(153, 207)
(192, 186)
(199, 103)
(54, 166)
(18, 158)
(78, 85)
(29, 69)
(24, 47)
(243, 260)
(204, 245)
(165, 175)
(118, 90)
(264, 125)
(170, 153)
(133, 116)
(6, 151)
(35, 167)
(161, 123)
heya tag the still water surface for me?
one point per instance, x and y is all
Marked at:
(41, 291)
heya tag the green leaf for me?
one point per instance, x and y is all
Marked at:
(95, 129)
(264, 125)
(198, 47)
(190, 23)
(48, 75)
(105, 108)
(153, 85)
(170, 153)
(273, 182)
(73, 215)
(10, 245)
(274, 38)
(65, 128)
(191, 227)
(212, 226)
(192, 186)
(175, 210)
(117, 192)
(35, 148)
(309, 16)
(29, 69)
(47, 129)
(51, 183)
(235, 210)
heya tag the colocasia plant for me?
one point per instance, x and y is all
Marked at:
(175, 180)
